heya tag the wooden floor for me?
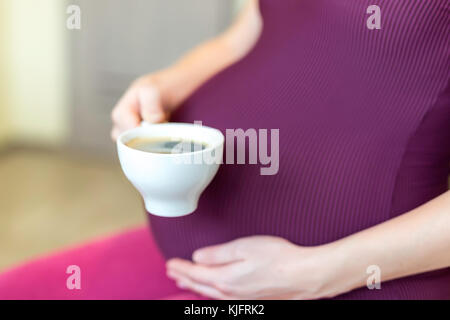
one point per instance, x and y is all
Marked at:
(49, 200)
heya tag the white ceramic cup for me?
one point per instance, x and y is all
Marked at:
(171, 184)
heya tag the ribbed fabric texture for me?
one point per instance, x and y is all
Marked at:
(364, 119)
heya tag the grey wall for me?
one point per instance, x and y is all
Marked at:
(120, 40)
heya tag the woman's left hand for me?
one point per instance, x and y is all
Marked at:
(256, 267)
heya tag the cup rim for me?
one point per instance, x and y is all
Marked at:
(175, 124)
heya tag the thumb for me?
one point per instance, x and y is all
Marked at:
(218, 254)
(151, 107)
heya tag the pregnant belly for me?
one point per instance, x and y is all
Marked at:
(319, 193)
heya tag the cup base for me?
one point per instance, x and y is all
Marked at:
(170, 212)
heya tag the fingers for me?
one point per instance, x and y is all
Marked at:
(125, 114)
(203, 274)
(218, 254)
(151, 108)
(140, 102)
(203, 289)
(115, 132)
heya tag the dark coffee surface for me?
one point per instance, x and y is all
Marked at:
(165, 145)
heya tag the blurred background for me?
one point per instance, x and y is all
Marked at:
(60, 181)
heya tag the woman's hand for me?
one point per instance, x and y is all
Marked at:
(153, 97)
(265, 267)
(256, 267)
(147, 99)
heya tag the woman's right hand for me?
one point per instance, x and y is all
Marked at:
(145, 100)
(153, 97)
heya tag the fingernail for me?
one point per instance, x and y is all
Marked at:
(169, 264)
(154, 117)
(197, 255)
(172, 274)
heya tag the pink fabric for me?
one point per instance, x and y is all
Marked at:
(124, 266)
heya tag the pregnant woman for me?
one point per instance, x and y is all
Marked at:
(364, 130)
(359, 207)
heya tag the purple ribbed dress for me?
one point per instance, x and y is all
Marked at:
(364, 119)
